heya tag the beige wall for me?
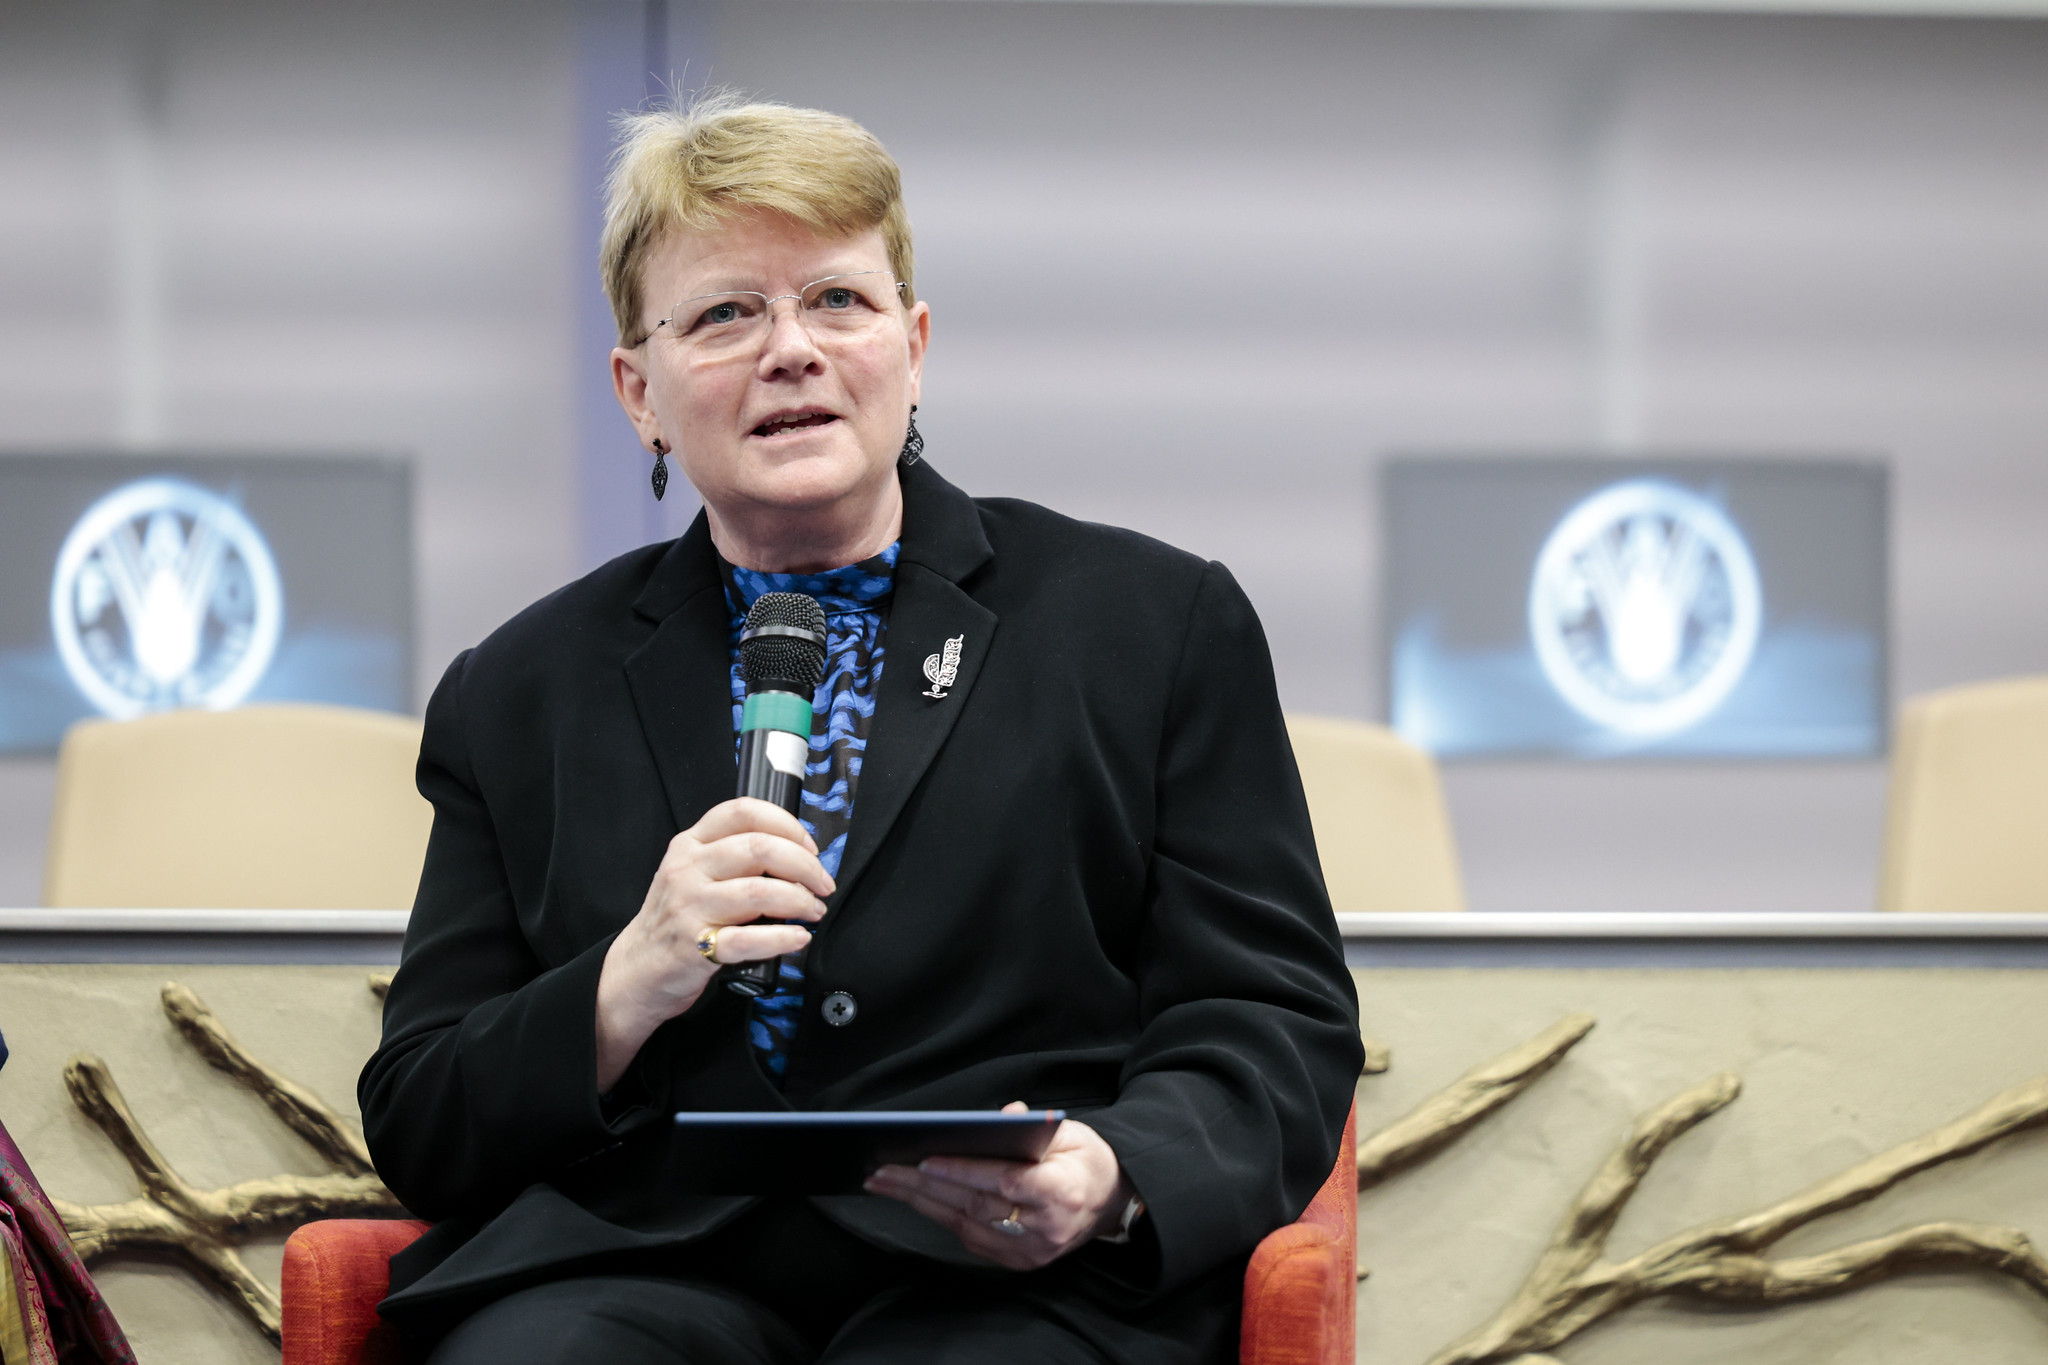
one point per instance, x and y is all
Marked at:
(315, 1024)
(1836, 1065)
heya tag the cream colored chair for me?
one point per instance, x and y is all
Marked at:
(1379, 816)
(266, 807)
(1967, 828)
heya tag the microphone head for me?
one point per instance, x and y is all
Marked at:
(783, 647)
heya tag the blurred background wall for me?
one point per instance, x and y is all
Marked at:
(1194, 269)
(301, 227)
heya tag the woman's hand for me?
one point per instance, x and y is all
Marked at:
(746, 860)
(1072, 1194)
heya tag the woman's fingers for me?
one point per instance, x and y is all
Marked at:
(745, 813)
(1063, 1198)
(755, 942)
(750, 871)
(984, 1192)
(756, 853)
(745, 861)
(744, 899)
(975, 1234)
(992, 1175)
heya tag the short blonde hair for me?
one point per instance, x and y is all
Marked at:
(723, 155)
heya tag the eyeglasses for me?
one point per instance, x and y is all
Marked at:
(838, 307)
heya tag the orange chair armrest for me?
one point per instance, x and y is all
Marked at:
(1301, 1287)
(335, 1272)
(1297, 1307)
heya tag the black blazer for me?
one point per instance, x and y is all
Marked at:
(1083, 878)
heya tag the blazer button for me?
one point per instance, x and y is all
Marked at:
(839, 1009)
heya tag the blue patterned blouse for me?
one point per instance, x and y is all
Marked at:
(855, 599)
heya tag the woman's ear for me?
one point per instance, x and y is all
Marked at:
(920, 335)
(629, 384)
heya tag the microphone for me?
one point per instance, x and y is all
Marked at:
(782, 660)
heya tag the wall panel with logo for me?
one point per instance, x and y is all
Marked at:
(135, 584)
(1616, 606)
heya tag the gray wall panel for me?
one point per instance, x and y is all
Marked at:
(350, 232)
(1445, 229)
(1432, 229)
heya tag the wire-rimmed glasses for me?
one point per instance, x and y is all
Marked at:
(733, 321)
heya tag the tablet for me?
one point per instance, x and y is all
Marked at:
(832, 1152)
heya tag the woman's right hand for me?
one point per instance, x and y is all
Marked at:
(746, 860)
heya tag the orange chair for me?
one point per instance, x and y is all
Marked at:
(1299, 1289)
(335, 1273)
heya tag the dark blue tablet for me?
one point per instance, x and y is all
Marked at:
(833, 1152)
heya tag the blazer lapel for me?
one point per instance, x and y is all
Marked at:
(933, 618)
(681, 679)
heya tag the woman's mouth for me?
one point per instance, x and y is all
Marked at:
(784, 426)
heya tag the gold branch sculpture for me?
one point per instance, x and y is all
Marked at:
(1451, 1113)
(1571, 1287)
(205, 1226)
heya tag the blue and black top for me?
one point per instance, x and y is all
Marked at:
(856, 603)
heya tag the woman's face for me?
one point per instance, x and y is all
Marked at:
(724, 402)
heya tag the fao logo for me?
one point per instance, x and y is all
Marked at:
(1645, 607)
(165, 596)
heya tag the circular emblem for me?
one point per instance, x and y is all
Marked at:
(165, 595)
(1645, 607)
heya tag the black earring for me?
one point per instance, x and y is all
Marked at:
(913, 442)
(660, 478)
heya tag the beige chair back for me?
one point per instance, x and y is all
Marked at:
(1378, 809)
(1967, 827)
(302, 807)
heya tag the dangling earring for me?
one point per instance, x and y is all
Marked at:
(660, 478)
(913, 442)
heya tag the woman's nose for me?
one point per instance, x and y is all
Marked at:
(789, 347)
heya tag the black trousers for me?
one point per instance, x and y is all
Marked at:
(786, 1286)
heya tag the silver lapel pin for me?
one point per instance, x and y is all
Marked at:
(942, 668)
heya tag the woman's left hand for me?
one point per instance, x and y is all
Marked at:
(1073, 1193)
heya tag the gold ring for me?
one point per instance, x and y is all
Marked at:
(707, 943)
(1010, 1226)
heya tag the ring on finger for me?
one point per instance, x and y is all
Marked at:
(707, 943)
(1010, 1226)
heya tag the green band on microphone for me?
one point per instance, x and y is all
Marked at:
(777, 711)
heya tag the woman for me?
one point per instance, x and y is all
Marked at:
(1053, 852)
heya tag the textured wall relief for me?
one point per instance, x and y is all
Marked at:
(204, 1227)
(1572, 1286)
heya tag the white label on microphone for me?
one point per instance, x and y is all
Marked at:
(787, 753)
